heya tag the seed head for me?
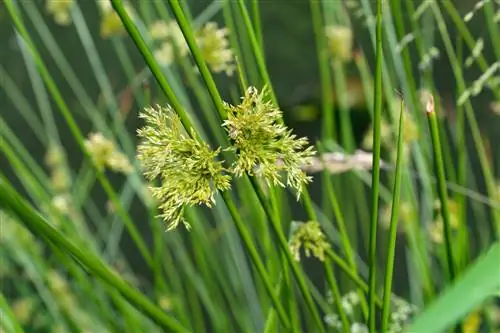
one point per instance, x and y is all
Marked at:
(104, 154)
(214, 46)
(311, 238)
(185, 166)
(60, 10)
(339, 42)
(265, 147)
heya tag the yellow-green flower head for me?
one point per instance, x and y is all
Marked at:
(339, 42)
(60, 10)
(311, 238)
(104, 154)
(111, 24)
(55, 160)
(214, 46)
(265, 147)
(165, 54)
(186, 166)
(159, 30)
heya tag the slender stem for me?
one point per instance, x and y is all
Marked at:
(352, 275)
(152, 64)
(372, 256)
(12, 201)
(198, 57)
(259, 56)
(75, 130)
(247, 239)
(442, 190)
(328, 120)
(8, 318)
(332, 283)
(391, 245)
(257, 23)
(276, 228)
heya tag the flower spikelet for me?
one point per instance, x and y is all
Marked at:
(215, 48)
(60, 10)
(311, 238)
(265, 147)
(186, 166)
(339, 42)
(104, 154)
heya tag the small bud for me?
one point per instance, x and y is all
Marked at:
(214, 46)
(60, 10)
(104, 154)
(339, 42)
(310, 237)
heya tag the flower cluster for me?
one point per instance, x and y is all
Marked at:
(214, 46)
(406, 215)
(264, 145)
(212, 41)
(191, 173)
(310, 237)
(55, 159)
(436, 228)
(111, 24)
(401, 313)
(60, 10)
(166, 36)
(339, 42)
(104, 154)
(186, 166)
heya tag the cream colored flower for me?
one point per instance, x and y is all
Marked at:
(214, 46)
(165, 54)
(264, 145)
(60, 10)
(104, 154)
(186, 167)
(159, 30)
(339, 42)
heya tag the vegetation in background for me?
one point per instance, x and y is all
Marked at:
(402, 221)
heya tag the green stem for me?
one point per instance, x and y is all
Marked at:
(12, 201)
(276, 227)
(257, 23)
(75, 130)
(9, 317)
(332, 283)
(240, 225)
(324, 71)
(152, 64)
(198, 57)
(391, 245)
(164, 85)
(259, 56)
(442, 190)
(372, 256)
